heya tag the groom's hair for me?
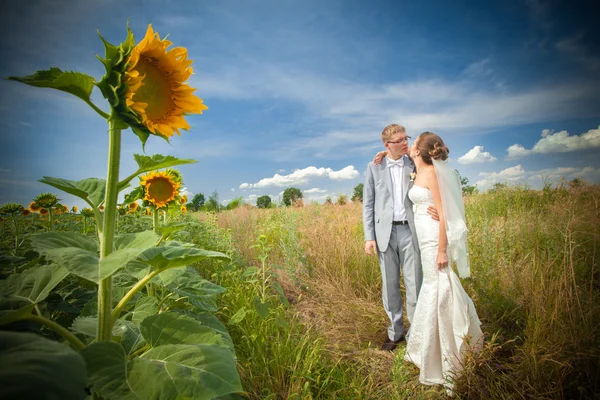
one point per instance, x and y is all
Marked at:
(390, 130)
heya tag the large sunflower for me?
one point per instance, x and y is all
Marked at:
(159, 188)
(157, 90)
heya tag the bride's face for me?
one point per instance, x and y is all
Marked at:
(413, 149)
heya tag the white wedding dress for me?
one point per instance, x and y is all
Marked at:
(445, 318)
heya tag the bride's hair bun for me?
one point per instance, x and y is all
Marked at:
(439, 151)
(431, 147)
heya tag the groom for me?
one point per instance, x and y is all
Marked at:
(388, 221)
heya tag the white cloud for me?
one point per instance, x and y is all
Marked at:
(186, 192)
(559, 142)
(518, 174)
(475, 156)
(315, 190)
(303, 176)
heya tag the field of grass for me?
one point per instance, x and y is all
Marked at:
(534, 262)
(302, 303)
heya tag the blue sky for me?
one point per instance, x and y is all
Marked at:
(299, 91)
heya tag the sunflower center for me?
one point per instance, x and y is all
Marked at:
(155, 90)
(160, 189)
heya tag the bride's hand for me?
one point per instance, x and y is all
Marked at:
(378, 157)
(442, 260)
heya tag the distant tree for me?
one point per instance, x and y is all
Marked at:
(466, 188)
(213, 202)
(342, 199)
(198, 201)
(498, 187)
(358, 193)
(235, 203)
(291, 195)
(263, 201)
(328, 200)
(575, 183)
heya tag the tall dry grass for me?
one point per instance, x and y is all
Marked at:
(534, 262)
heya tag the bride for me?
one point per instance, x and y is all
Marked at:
(445, 321)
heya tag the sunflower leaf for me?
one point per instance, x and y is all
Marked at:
(172, 328)
(75, 83)
(172, 257)
(203, 372)
(90, 189)
(79, 254)
(34, 284)
(37, 368)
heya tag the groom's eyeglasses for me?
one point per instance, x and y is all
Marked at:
(403, 140)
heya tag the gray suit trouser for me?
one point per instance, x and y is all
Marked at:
(400, 253)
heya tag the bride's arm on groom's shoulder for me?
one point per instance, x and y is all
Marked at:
(379, 156)
(442, 255)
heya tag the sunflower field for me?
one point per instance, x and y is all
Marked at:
(108, 302)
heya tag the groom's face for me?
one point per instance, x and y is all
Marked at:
(398, 144)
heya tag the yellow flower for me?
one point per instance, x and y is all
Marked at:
(25, 212)
(133, 207)
(75, 209)
(157, 91)
(183, 200)
(34, 207)
(147, 211)
(159, 188)
(43, 211)
(183, 209)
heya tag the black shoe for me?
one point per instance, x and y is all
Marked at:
(390, 345)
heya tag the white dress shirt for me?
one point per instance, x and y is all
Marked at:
(397, 174)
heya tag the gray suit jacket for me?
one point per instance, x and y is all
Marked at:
(378, 203)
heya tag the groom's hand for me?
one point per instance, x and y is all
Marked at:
(433, 212)
(370, 247)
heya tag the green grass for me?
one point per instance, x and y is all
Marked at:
(534, 261)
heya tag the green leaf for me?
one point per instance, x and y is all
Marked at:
(184, 371)
(55, 240)
(173, 328)
(90, 189)
(144, 307)
(140, 240)
(136, 194)
(32, 367)
(166, 372)
(157, 161)
(35, 283)
(250, 271)
(238, 316)
(262, 309)
(198, 290)
(169, 229)
(209, 319)
(75, 83)
(125, 332)
(79, 254)
(171, 257)
(13, 308)
(167, 277)
(106, 364)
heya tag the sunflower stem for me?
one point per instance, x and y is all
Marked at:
(136, 288)
(105, 321)
(98, 110)
(155, 219)
(75, 342)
